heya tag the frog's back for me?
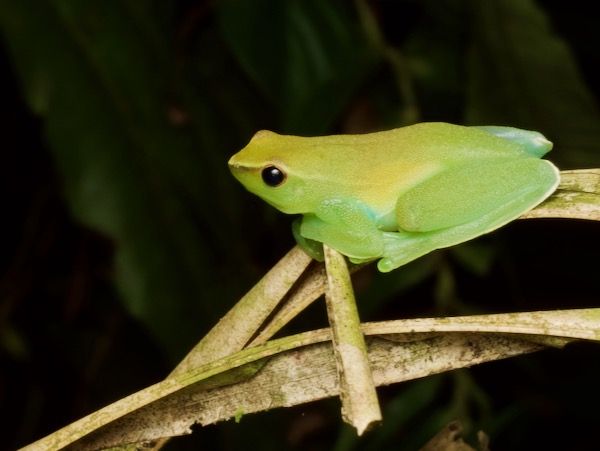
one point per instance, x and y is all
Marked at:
(446, 142)
(380, 166)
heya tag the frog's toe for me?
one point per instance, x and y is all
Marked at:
(386, 265)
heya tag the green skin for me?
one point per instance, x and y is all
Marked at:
(399, 194)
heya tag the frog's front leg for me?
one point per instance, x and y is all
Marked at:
(347, 226)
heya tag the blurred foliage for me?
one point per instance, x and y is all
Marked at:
(125, 238)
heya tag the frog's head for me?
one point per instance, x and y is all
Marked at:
(277, 169)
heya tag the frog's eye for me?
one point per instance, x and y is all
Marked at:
(273, 176)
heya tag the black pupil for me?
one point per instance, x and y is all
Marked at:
(273, 176)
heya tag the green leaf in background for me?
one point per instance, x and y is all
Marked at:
(521, 73)
(300, 52)
(98, 73)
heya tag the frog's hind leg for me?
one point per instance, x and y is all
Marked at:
(459, 205)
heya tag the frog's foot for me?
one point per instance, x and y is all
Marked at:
(313, 248)
(401, 248)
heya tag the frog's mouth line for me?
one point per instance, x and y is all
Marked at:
(234, 167)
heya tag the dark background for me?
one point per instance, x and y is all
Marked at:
(124, 238)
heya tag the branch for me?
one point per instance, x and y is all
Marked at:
(301, 368)
(360, 406)
(577, 197)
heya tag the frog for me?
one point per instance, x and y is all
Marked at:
(396, 195)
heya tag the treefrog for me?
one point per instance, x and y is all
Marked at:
(399, 194)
